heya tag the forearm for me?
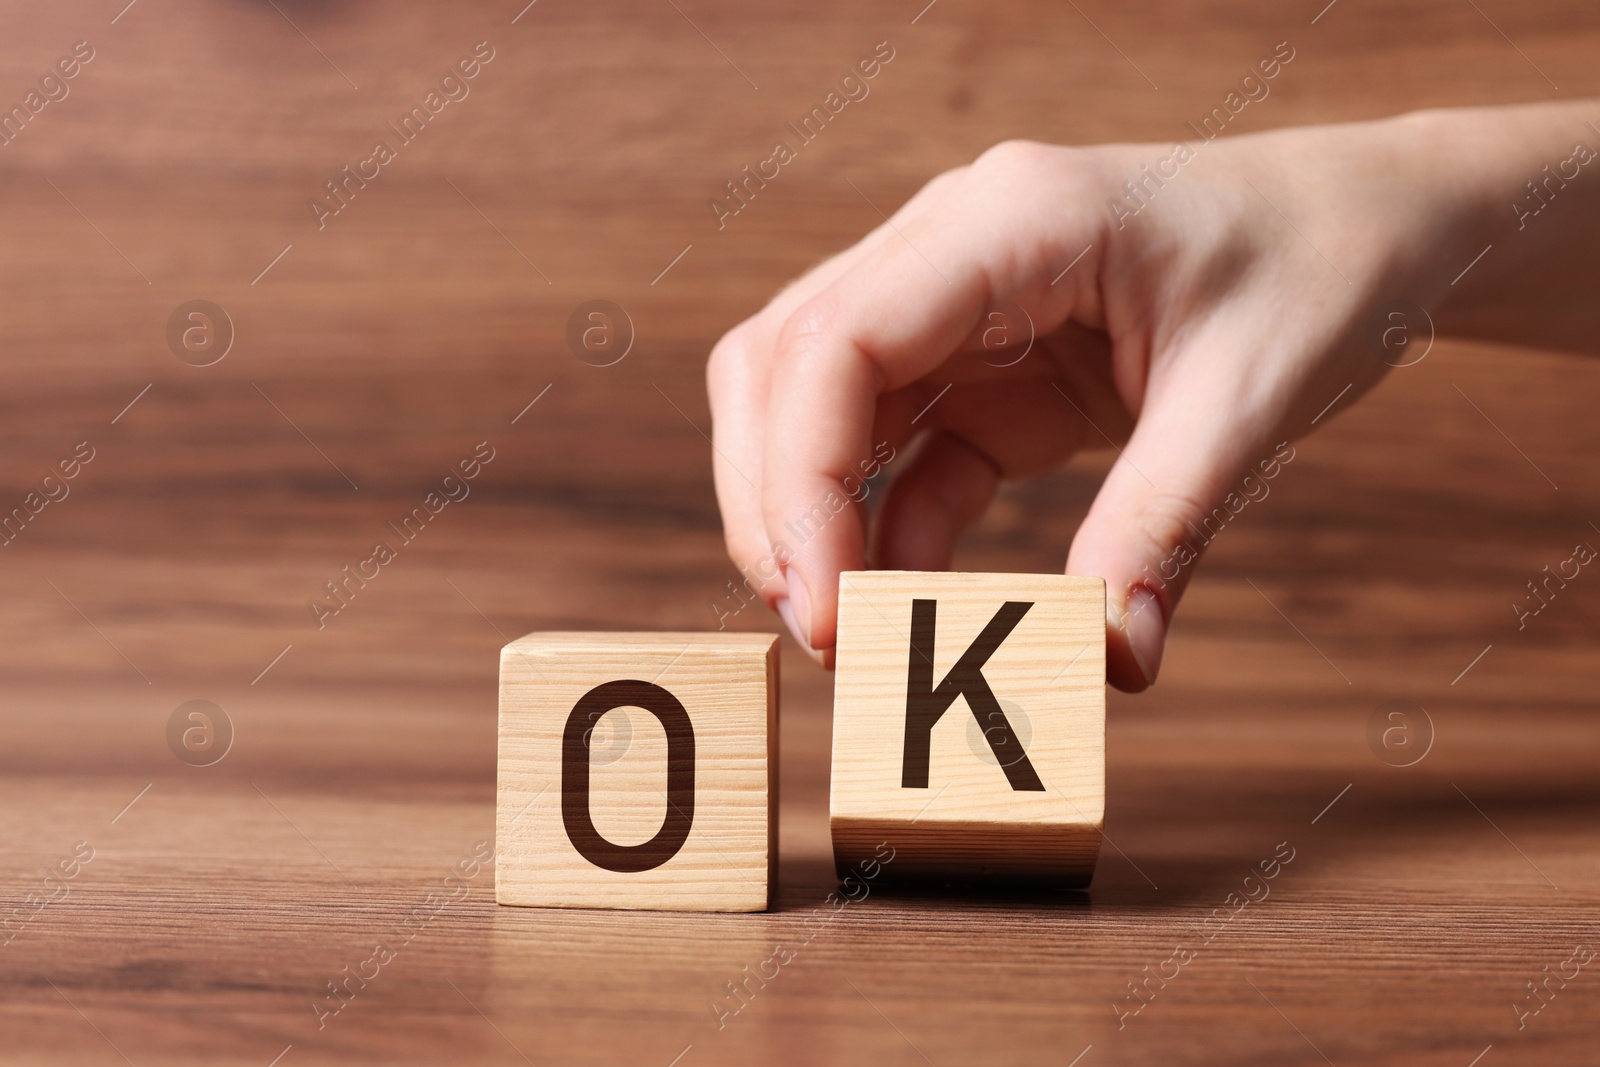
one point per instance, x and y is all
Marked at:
(1521, 187)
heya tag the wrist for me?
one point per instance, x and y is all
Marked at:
(1515, 209)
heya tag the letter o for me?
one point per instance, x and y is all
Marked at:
(627, 859)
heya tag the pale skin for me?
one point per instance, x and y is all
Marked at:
(1194, 334)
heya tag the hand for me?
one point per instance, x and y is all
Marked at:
(1210, 317)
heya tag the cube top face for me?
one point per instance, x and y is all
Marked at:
(969, 721)
(636, 771)
(549, 641)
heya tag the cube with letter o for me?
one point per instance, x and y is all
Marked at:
(636, 770)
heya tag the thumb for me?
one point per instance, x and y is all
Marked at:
(1166, 498)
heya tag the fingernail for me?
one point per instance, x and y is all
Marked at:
(1146, 631)
(786, 613)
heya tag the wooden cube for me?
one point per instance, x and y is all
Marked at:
(638, 770)
(969, 725)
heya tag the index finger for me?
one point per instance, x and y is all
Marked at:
(738, 383)
(893, 317)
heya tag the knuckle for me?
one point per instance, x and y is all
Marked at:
(803, 328)
(1014, 157)
(1167, 518)
(733, 347)
(1019, 172)
(729, 358)
(940, 183)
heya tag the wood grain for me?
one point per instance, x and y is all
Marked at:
(1010, 784)
(219, 905)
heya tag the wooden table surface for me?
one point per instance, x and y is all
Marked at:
(374, 353)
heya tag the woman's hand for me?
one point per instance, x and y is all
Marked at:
(1191, 307)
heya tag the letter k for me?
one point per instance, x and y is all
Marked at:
(925, 703)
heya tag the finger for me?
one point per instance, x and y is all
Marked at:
(1165, 497)
(890, 319)
(738, 385)
(1006, 428)
(1025, 425)
(944, 489)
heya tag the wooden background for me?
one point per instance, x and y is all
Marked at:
(218, 906)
